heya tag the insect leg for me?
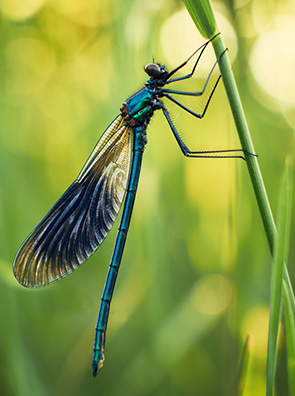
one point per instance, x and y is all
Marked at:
(186, 108)
(203, 47)
(201, 154)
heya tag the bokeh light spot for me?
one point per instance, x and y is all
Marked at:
(180, 38)
(30, 63)
(212, 294)
(272, 61)
(88, 13)
(18, 10)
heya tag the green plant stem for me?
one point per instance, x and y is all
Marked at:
(252, 162)
(280, 257)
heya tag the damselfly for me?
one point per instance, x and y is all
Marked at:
(81, 219)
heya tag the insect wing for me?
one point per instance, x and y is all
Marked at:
(81, 219)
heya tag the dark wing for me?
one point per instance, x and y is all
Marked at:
(81, 219)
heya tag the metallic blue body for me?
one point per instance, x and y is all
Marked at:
(81, 219)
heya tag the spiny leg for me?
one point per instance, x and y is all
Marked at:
(163, 90)
(185, 62)
(190, 111)
(200, 154)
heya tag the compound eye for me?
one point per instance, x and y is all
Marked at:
(153, 70)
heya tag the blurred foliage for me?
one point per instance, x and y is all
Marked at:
(195, 274)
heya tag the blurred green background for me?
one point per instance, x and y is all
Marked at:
(195, 273)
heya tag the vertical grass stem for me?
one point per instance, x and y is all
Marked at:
(252, 162)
